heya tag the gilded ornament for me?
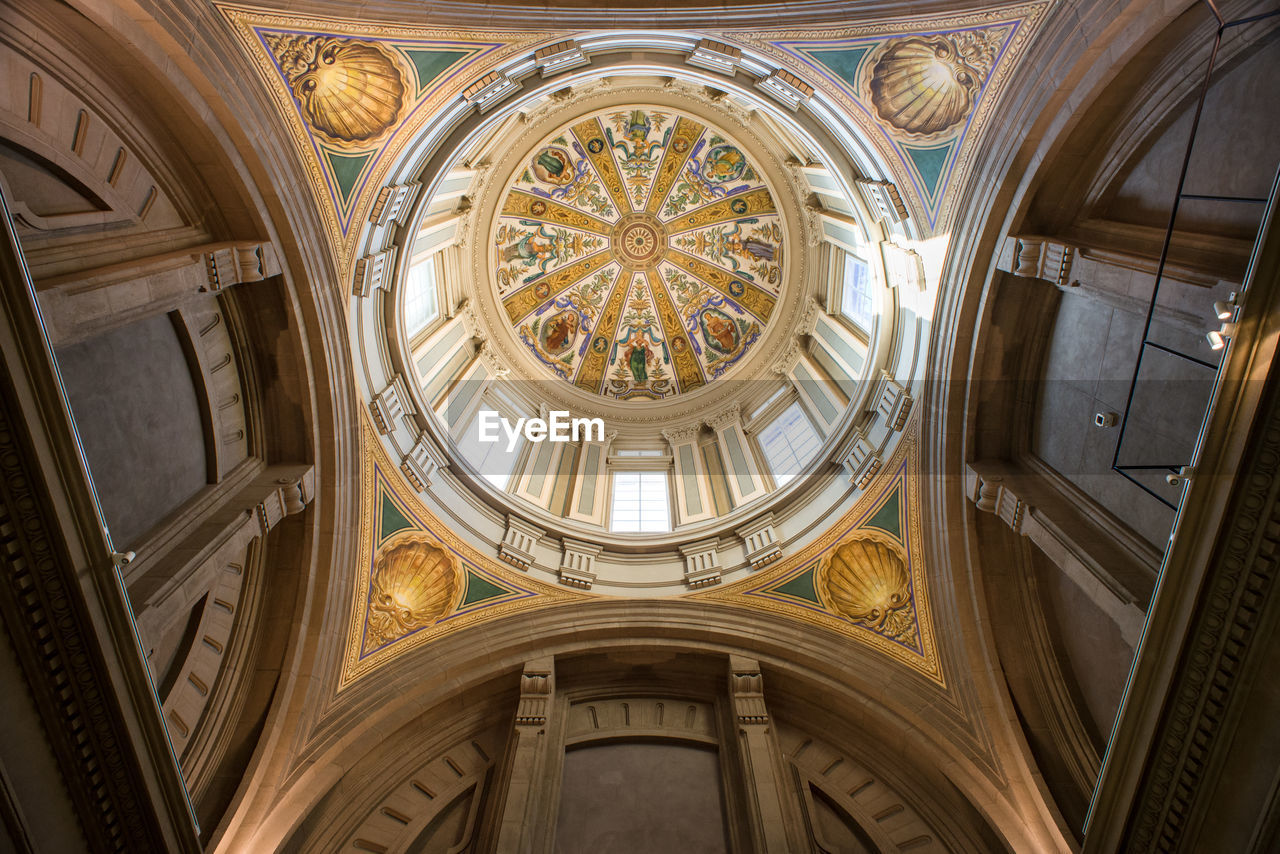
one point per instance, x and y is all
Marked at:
(926, 85)
(866, 581)
(350, 91)
(412, 587)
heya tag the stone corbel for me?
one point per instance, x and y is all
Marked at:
(715, 56)
(240, 263)
(558, 57)
(787, 88)
(291, 496)
(519, 542)
(746, 689)
(885, 197)
(577, 563)
(861, 461)
(537, 686)
(894, 403)
(392, 201)
(990, 495)
(391, 404)
(486, 92)
(702, 563)
(373, 272)
(422, 461)
(904, 268)
(760, 541)
(1035, 257)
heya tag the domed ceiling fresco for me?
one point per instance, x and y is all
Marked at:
(638, 253)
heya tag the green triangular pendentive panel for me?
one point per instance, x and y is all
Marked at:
(844, 63)
(346, 170)
(430, 64)
(930, 164)
(391, 519)
(803, 585)
(889, 517)
(481, 589)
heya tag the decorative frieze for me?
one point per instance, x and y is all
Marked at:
(518, 542)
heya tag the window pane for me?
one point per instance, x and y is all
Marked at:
(490, 459)
(789, 442)
(640, 502)
(420, 297)
(855, 293)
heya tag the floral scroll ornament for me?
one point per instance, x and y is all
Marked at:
(412, 587)
(350, 92)
(865, 581)
(924, 86)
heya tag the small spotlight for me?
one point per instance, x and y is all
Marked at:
(1215, 339)
(1223, 310)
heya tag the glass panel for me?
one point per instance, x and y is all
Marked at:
(788, 442)
(640, 502)
(490, 459)
(855, 293)
(420, 305)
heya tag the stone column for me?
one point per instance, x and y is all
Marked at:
(693, 488)
(773, 817)
(741, 471)
(522, 810)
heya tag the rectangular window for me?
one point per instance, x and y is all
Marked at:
(490, 459)
(420, 303)
(640, 502)
(636, 452)
(788, 442)
(855, 292)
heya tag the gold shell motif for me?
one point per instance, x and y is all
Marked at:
(925, 85)
(412, 587)
(349, 91)
(867, 581)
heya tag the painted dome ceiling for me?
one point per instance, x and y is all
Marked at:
(638, 253)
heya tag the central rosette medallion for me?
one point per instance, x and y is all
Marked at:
(639, 240)
(638, 252)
